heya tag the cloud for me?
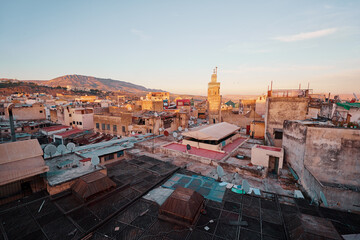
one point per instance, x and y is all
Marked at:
(140, 34)
(305, 36)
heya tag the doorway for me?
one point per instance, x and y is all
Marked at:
(273, 164)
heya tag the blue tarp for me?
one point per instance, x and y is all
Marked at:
(206, 186)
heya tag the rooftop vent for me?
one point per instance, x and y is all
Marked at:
(91, 184)
(182, 207)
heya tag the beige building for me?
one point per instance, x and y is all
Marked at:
(158, 96)
(116, 124)
(279, 109)
(214, 99)
(152, 105)
(269, 157)
(25, 112)
(150, 123)
(257, 129)
(80, 118)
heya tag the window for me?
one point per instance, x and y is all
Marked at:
(73, 122)
(70, 123)
(109, 157)
(114, 128)
(41, 111)
(278, 134)
(123, 129)
(120, 153)
(77, 123)
(69, 115)
(32, 128)
(80, 123)
(103, 126)
(108, 126)
(97, 125)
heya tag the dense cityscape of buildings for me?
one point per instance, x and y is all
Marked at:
(285, 165)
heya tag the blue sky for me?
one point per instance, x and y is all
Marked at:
(174, 45)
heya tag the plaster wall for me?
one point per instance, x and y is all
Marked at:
(261, 156)
(336, 152)
(279, 109)
(294, 139)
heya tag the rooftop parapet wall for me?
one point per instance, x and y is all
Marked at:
(336, 151)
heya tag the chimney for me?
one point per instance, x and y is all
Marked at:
(11, 120)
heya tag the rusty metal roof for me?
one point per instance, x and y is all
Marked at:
(91, 184)
(183, 206)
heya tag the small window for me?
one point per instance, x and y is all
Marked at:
(123, 129)
(103, 126)
(41, 111)
(278, 134)
(77, 123)
(80, 123)
(108, 126)
(120, 153)
(69, 115)
(32, 128)
(109, 157)
(97, 125)
(114, 128)
(70, 123)
(73, 122)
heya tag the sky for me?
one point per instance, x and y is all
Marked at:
(174, 45)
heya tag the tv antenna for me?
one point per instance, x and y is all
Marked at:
(50, 150)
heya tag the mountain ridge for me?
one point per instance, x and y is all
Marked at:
(106, 84)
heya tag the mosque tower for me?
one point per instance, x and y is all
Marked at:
(214, 99)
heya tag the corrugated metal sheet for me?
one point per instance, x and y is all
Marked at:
(15, 151)
(212, 132)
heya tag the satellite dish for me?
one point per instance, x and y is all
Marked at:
(166, 133)
(160, 129)
(155, 114)
(220, 171)
(186, 130)
(95, 160)
(180, 129)
(133, 133)
(61, 149)
(70, 146)
(245, 185)
(323, 199)
(175, 134)
(50, 150)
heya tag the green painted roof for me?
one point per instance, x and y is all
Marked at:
(347, 106)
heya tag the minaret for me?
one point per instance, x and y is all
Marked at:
(214, 99)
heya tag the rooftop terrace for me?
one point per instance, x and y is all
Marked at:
(124, 214)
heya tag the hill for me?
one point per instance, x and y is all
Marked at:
(80, 81)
